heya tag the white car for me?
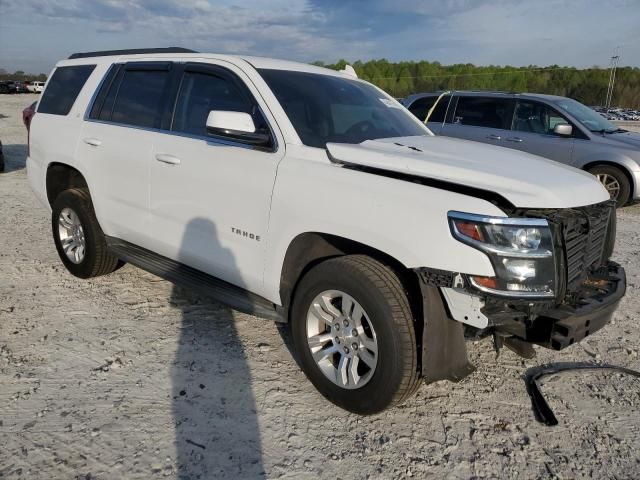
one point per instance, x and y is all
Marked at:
(36, 87)
(307, 196)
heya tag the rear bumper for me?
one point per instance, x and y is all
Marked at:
(565, 325)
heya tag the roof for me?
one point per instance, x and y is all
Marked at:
(486, 93)
(171, 53)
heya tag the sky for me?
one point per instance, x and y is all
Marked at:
(34, 35)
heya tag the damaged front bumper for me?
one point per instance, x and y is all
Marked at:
(551, 325)
(561, 326)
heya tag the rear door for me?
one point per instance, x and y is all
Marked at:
(532, 131)
(485, 119)
(127, 116)
(420, 108)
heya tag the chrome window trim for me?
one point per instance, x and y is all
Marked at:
(208, 139)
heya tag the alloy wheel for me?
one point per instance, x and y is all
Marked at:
(341, 339)
(610, 183)
(71, 235)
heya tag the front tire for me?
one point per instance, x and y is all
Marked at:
(353, 331)
(615, 181)
(78, 237)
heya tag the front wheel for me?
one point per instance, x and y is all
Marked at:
(615, 181)
(353, 330)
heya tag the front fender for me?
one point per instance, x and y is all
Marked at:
(404, 220)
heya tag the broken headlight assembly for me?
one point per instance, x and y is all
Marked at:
(520, 250)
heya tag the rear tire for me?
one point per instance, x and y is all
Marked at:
(78, 237)
(383, 376)
(615, 181)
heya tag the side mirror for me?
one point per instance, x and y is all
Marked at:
(237, 126)
(563, 129)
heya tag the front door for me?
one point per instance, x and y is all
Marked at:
(532, 132)
(210, 198)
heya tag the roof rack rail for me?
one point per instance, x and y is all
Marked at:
(131, 51)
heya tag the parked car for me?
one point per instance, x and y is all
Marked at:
(21, 87)
(7, 86)
(310, 197)
(1, 158)
(36, 87)
(557, 128)
(28, 113)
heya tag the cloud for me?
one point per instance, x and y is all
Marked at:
(517, 32)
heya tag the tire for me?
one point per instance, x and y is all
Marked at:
(96, 259)
(387, 318)
(614, 176)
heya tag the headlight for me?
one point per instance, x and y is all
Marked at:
(520, 250)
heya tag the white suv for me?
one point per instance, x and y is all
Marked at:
(307, 196)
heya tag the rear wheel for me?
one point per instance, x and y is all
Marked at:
(78, 236)
(615, 181)
(354, 334)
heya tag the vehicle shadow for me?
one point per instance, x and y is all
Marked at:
(216, 428)
(15, 157)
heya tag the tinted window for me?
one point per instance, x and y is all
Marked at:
(199, 94)
(484, 112)
(63, 89)
(140, 98)
(536, 117)
(327, 108)
(421, 107)
(102, 109)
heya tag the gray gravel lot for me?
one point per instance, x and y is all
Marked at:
(126, 376)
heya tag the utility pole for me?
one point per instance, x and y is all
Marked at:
(613, 66)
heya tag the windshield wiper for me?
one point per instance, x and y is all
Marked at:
(602, 131)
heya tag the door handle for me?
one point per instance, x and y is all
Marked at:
(494, 137)
(166, 158)
(514, 139)
(93, 142)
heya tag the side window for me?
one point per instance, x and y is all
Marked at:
(421, 107)
(536, 117)
(487, 112)
(202, 92)
(63, 89)
(199, 94)
(140, 98)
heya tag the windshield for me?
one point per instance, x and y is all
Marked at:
(325, 108)
(586, 116)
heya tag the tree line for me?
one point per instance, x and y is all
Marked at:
(21, 76)
(400, 79)
(588, 85)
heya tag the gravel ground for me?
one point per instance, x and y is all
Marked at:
(126, 376)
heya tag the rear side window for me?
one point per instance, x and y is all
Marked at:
(63, 89)
(487, 112)
(421, 107)
(141, 97)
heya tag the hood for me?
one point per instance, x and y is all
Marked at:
(629, 140)
(527, 181)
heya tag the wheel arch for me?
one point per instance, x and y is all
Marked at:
(608, 163)
(61, 177)
(311, 248)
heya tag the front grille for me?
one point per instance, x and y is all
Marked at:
(584, 234)
(585, 239)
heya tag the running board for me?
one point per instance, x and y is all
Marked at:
(195, 280)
